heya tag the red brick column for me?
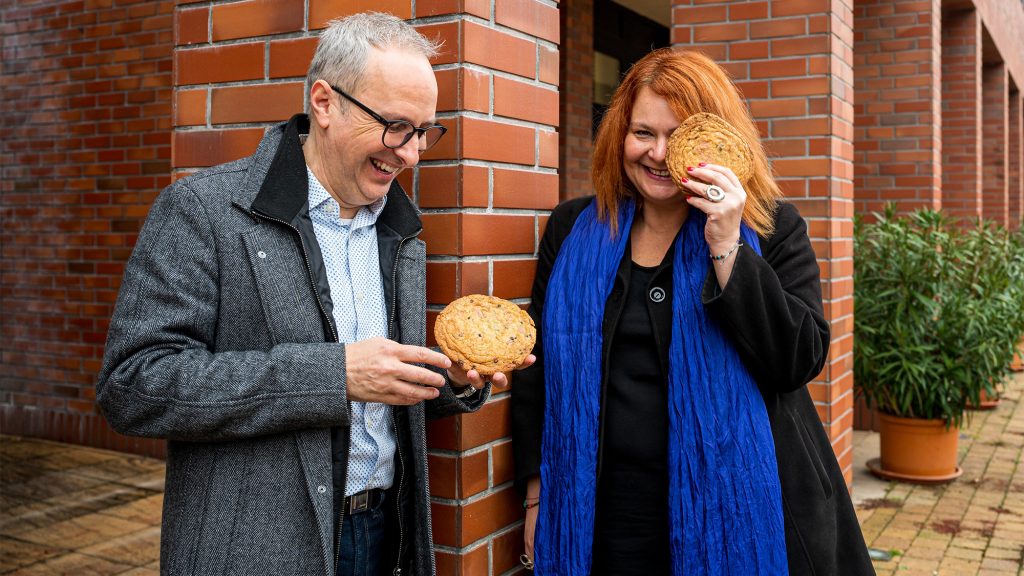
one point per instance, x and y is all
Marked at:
(576, 99)
(961, 114)
(485, 190)
(793, 60)
(1016, 158)
(897, 61)
(85, 113)
(995, 143)
(481, 236)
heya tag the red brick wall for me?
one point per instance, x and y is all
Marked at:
(576, 96)
(961, 114)
(1016, 159)
(86, 147)
(897, 59)
(995, 138)
(793, 60)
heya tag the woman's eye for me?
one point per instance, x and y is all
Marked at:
(641, 133)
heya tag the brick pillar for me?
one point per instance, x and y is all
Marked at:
(576, 98)
(485, 190)
(995, 140)
(961, 114)
(793, 60)
(897, 58)
(1016, 158)
(85, 113)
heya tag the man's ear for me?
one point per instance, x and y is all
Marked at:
(320, 103)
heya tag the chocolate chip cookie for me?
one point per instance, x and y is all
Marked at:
(485, 333)
(708, 138)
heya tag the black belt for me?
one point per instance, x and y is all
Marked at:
(362, 501)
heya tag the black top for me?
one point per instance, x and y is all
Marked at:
(771, 310)
(631, 534)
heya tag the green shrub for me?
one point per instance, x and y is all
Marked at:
(939, 308)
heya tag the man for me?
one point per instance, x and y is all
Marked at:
(271, 325)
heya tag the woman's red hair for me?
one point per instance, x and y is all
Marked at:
(691, 83)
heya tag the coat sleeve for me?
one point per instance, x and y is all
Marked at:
(772, 309)
(528, 384)
(160, 377)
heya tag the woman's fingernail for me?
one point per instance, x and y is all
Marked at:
(689, 168)
(683, 180)
(702, 164)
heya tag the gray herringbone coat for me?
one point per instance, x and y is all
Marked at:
(220, 343)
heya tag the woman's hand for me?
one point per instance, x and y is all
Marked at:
(723, 228)
(722, 231)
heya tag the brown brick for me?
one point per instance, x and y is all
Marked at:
(495, 49)
(513, 278)
(210, 147)
(265, 103)
(496, 141)
(529, 16)
(490, 423)
(291, 57)
(252, 18)
(190, 107)
(489, 514)
(479, 237)
(323, 11)
(192, 26)
(219, 64)
(525, 102)
(525, 189)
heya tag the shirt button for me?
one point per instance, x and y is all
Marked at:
(261, 254)
(321, 489)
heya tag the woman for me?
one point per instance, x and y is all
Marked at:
(676, 337)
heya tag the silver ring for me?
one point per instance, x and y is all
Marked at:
(526, 562)
(715, 193)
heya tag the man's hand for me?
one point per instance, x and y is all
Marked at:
(382, 370)
(461, 378)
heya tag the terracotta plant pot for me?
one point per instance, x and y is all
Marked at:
(1018, 360)
(916, 450)
(986, 402)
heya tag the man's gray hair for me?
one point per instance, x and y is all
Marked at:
(345, 45)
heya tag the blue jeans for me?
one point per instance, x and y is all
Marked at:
(362, 550)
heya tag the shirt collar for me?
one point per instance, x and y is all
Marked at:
(318, 195)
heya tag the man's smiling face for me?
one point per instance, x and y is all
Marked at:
(359, 169)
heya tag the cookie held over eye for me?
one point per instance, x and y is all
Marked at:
(485, 333)
(708, 138)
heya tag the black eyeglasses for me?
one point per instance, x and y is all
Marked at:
(398, 132)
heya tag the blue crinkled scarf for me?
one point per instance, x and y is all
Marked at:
(725, 503)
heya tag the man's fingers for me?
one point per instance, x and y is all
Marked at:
(422, 355)
(418, 375)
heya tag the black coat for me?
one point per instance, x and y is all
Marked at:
(772, 310)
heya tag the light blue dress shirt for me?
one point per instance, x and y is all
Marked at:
(349, 249)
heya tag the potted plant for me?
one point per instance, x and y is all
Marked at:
(1017, 280)
(931, 298)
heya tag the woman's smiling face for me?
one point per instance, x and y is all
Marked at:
(643, 154)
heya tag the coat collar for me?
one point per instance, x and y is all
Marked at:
(279, 188)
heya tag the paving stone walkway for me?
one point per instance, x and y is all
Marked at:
(68, 509)
(973, 526)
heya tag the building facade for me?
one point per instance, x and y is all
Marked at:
(105, 102)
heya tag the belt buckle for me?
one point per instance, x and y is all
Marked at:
(359, 502)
